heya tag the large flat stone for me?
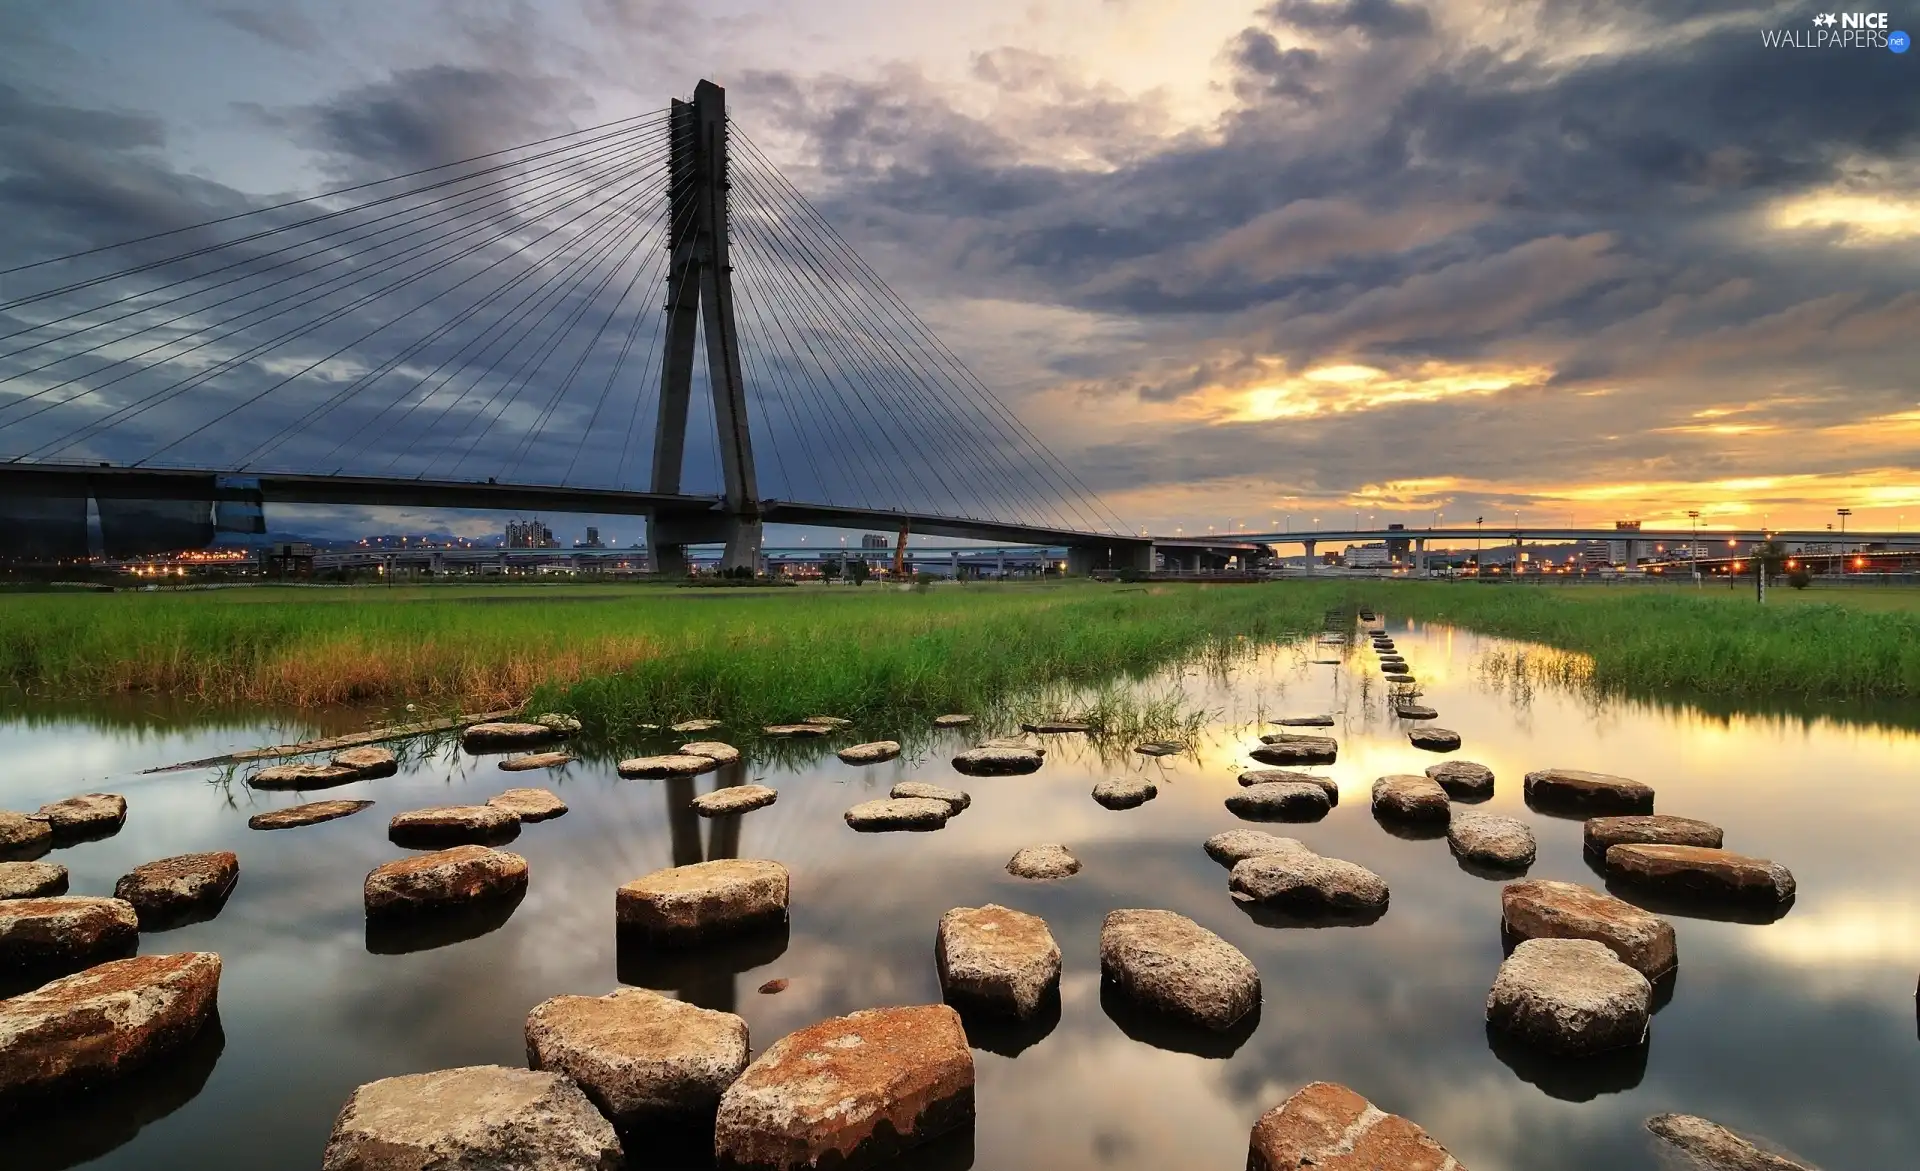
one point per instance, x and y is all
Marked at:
(1306, 882)
(1431, 738)
(368, 762)
(298, 777)
(691, 727)
(529, 761)
(848, 1092)
(952, 720)
(1655, 829)
(1463, 779)
(530, 804)
(1265, 776)
(1543, 909)
(1170, 965)
(956, 800)
(1703, 1145)
(32, 880)
(1054, 726)
(1415, 711)
(64, 932)
(1505, 843)
(1696, 872)
(1316, 721)
(103, 1023)
(1125, 792)
(1328, 1127)
(1280, 801)
(994, 760)
(312, 813)
(1042, 862)
(87, 816)
(477, 1118)
(501, 735)
(1286, 750)
(995, 960)
(687, 904)
(1571, 790)
(899, 813)
(798, 731)
(642, 1058)
(732, 799)
(561, 723)
(447, 825)
(674, 764)
(170, 888)
(1570, 996)
(23, 835)
(1237, 845)
(445, 879)
(1410, 798)
(711, 749)
(874, 753)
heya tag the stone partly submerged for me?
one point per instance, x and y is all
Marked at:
(91, 815)
(993, 761)
(1464, 780)
(1022, 743)
(529, 761)
(101, 1024)
(1305, 883)
(1544, 909)
(1280, 801)
(1237, 845)
(1501, 843)
(705, 900)
(58, 934)
(1698, 1144)
(447, 825)
(461, 876)
(874, 753)
(1406, 797)
(1656, 829)
(32, 880)
(712, 750)
(312, 813)
(368, 762)
(1042, 862)
(955, 799)
(996, 961)
(498, 736)
(1159, 748)
(1576, 791)
(691, 727)
(1702, 874)
(1125, 792)
(1286, 750)
(643, 1059)
(835, 722)
(295, 777)
(1434, 739)
(1263, 776)
(952, 720)
(851, 1091)
(1171, 966)
(479, 1116)
(1328, 1127)
(1569, 997)
(899, 813)
(1054, 726)
(23, 835)
(171, 889)
(530, 804)
(1415, 711)
(733, 799)
(1317, 721)
(677, 764)
(559, 722)
(798, 731)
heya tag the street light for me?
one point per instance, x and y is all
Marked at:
(1693, 549)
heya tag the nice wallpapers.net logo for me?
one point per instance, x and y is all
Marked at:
(1840, 30)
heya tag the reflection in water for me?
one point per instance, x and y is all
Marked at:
(84, 1127)
(1163, 1032)
(1803, 1030)
(1572, 1079)
(403, 933)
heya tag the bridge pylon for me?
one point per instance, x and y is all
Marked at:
(700, 291)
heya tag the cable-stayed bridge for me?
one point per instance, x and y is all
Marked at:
(644, 317)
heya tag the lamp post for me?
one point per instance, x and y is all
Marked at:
(1843, 514)
(1693, 548)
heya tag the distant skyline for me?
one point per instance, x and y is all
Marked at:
(1234, 262)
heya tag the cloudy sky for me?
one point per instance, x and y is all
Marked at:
(1237, 263)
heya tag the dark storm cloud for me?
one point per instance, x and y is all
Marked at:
(1382, 19)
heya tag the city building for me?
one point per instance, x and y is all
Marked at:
(529, 534)
(1375, 556)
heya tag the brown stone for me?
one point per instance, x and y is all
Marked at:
(1125, 792)
(1041, 862)
(683, 764)
(954, 720)
(1708, 1146)
(447, 878)
(561, 723)
(1542, 909)
(32, 880)
(849, 1092)
(1265, 776)
(1463, 779)
(774, 986)
(493, 737)
(798, 731)
(171, 887)
(1570, 790)
(1654, 829)
(530, 804)
(835, 722)
(1283, 749)
(996, 760)
(24, 836)
(1054, 726)
(1237, 845)
(1411, 798)
(1570, 996)
(103, 1023)
(1308, 883)
(1700, 873)
(477, 1118)
(311, 813)
(996, 960)
(732, 799)
(1328, 1127)
(64, 932)
(529, 761)
(282, 777)
(446, 825)
(1415, 711)
(641, 1057)
(1280, 801)
(1434, 739)
(685, 904)
(1503, 843)
(955, 799)
(874, 753)
(1321, 721)
(368, 762)
(1173, 966)
(687, 727)
(899, 813)
(91, 815)
(711, 749)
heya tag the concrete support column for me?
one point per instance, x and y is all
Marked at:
(1312, 565)
(953, 564)
(1420, 557)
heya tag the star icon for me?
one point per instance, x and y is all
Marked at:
(1825, 18)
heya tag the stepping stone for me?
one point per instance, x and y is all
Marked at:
(1031, 744)
(1654, 829)
(874, 753)
(22, 835)
(492, 737)
(1463, 779)
(1326, 662)
(32, 880)
(996, 961)
(93, 815)
(170, 888)
(689, 904)
(1570, 996)
(685, 727)
(1414, 711)
(1301, 880)
(447, 878)
(1572, 790)
(447, 825)
(474, 1117)
(995, 761)
(828, 721)
(955, 799)
(1696, 872)
(281, 777)
(560, 724)
(850, 1091)
(77, 1032)
(1158, 748)
(312, 813)
(680, 764)
(1170, 965)
(368, 762)
(1708, 1146)
(712, 750)
(643, 1059)
(798, 731)
(65, 932)
(1125, 792)
(1306, 722)
(1237, 845)
(1399, 677)
(899, 813)
(1407, 797)
(1434, 739)
(530, 804)
(527, 762)
(1280, 801)
(1286, 750)
(954, 720)
(1268, 776)
(1542, 909)
(1043, 862)
(1054, 726)
(1501, 842)
(733, 799)
(1328, 1127)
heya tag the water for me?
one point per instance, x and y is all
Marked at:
(1802, 1030)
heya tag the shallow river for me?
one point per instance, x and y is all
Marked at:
(1802, 1030)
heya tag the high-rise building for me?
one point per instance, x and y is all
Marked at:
(529, 534)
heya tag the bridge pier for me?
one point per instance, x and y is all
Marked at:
(1312, 567)
(1085, 560)
(1420, 557)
